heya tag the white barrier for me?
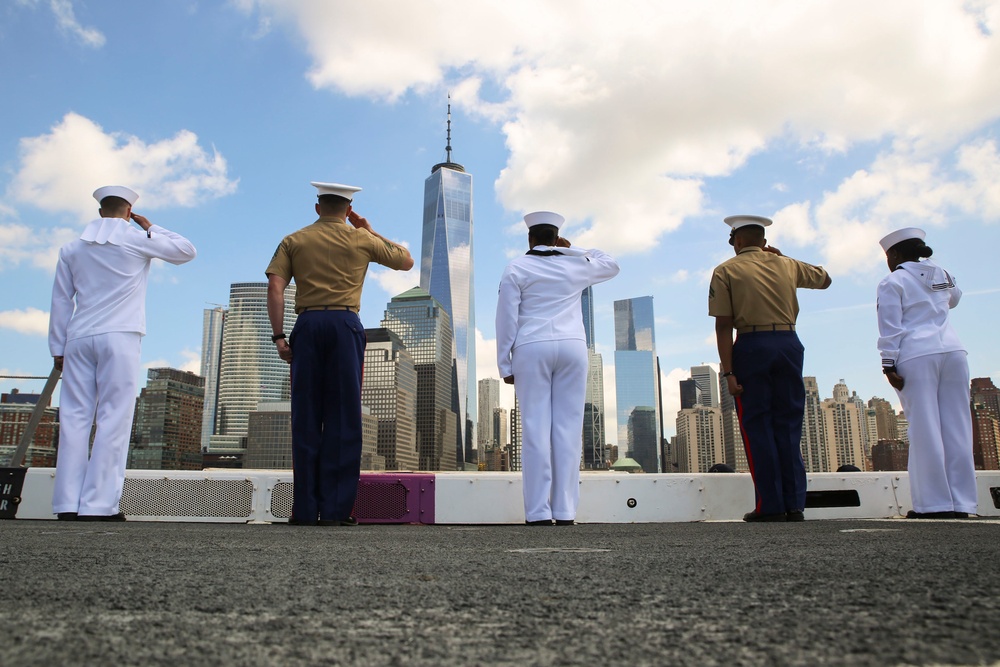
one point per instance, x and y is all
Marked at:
(247, 496)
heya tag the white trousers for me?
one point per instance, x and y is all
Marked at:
(100, 377)
(935, 399)
(550, 379)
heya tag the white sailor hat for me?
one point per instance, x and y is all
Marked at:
(544, 218)
(345, 191)
(116, 191)
(901, 235)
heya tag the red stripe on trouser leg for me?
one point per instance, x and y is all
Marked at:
(746, 449)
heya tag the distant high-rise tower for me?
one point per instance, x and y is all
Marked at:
(423, 325)
(708, 382)
(699, 439)
(594, 437)
(637, 385)
(213, 323)
(446, 273)
(391, 392)
(844, 429)
(167, 427)
(489, 400)
(813, 442)
(515, 436)
(251, 371)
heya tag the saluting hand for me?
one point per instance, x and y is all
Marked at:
(562, 243)
(358, 221)
(142, 221)
(771, 249)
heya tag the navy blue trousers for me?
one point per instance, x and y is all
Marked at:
(328, 353)
(768, 364)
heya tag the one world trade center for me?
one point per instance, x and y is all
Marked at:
(446, 273)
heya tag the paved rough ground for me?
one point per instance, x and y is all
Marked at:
(815, 593)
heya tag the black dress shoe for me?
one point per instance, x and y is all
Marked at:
(795, 515)
(349, 521)
(913, 514)
(540, 522)
(66, 516)
(755, 517)
(101, 517)
(565, 522)
(961, 515)
(292, 521)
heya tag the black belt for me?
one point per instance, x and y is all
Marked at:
(754, 328)
(302, 310)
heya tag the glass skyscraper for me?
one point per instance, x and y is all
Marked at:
(251, 371)
(446, 273)
(637, 385)
(425, 330)
(594, 439)
(211, 361)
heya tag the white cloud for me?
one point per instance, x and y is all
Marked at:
(29, 321)
(66, 21)
(59, 170)
(395, 282)
(901, 188)
(616, 114)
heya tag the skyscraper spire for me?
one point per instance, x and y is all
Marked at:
(447, 149)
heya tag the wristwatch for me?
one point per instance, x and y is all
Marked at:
(276, 337)
(728, 373)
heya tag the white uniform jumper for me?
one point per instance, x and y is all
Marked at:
(105, 272)
(541, 342)
(916, 337)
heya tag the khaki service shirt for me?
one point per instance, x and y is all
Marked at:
(758, 288)
(329, 260)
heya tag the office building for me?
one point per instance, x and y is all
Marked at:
(707, 379)
(690, 394)
(269, 436)
(424, 327)
(843, 422)
(213, 324)
(446, 273)
(515, 437)
(391, 391)
(489, 400)
(985, 437)
(986, 394)
(886, 427)
(166, 430)
(813, 442)
(890, 455)
(370, 458)
(251, 372)
(15, 413)
(637, 382)
(594, 436)
(698, 445)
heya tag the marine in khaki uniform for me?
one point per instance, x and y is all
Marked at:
(755, 294)
(328, 261)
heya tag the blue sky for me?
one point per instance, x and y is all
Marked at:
(645, 123)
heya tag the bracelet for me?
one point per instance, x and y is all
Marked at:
(728, 373)
(276, 337)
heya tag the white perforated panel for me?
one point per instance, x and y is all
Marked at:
(188, 497)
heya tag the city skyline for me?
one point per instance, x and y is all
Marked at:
(910, 140)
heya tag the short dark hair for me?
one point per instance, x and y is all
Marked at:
(113, 205)
(911, 250)
(333, 203)
(543, 234)
(751, 233)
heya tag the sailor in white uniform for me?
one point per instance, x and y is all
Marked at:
(542, 351)
(926, 363)
(97, 319)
